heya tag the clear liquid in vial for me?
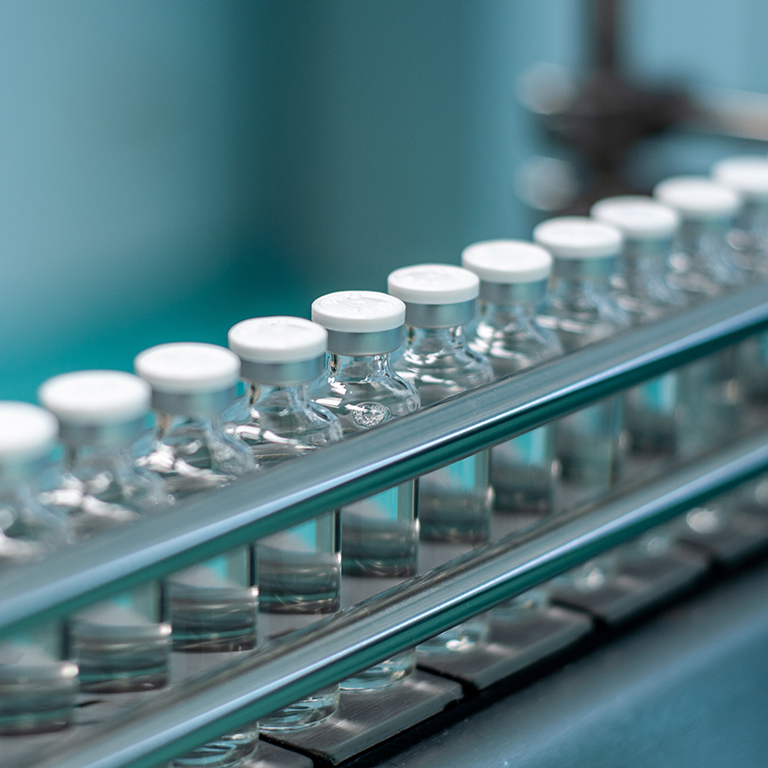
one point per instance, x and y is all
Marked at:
(37, 689)
(300, 582)
(380, 548)
(524, 471)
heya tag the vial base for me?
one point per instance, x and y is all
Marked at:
(122, 666)
(225, 752)
(383, 674)
(305, 713)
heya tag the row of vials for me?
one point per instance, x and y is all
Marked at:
(364, 359)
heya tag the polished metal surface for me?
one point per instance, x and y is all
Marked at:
(440, 315)
(513, 293)
(180, 720)
(193, 403)
(367, 463)
(281, 374)
(374, 343)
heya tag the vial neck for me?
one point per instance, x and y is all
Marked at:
(435, 341)
(644, 264)
(202, 422)
(282, 398)
(508, 317)
(575, 291)
(111, 454)
(360, 366)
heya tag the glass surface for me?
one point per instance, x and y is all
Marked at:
(703, 262)
(120, 644)
(299, 569)
(590, 443)
(645, 290)
(213, 605)
(455, 502)
(523, 470)
(379, 534)
(37, 687)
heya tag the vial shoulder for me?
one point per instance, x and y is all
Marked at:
(191, 458)
(361, 405)
(29, 529)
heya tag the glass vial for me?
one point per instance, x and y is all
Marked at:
(581, 309)
(513, 284)
(121, 644)
(299, 568)
(643, 290)
(747, 175)
(705, 264)
(454, 502)
(37, 686)
(212, 606)
(380, 534)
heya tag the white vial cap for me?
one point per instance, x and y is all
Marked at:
(507, 261)
(638, 217)
(578, 237)
(96, 397)
(278, 340)
(358, 312)
(745, 174)
(698, 198)
(433, 284)
(27, 431)
(188, 368)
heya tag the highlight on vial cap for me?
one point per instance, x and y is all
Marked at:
(358, 311)
(698, 198)
(27, 432)
(278, 339)
(745, 174)
(433, 284)
(507, 261)
(96, 397)
(578, 237)
(187, 368)
(639, 217)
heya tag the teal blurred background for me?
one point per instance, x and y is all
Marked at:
(169, 168)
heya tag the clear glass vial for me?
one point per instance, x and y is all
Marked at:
(120, 644)
(581, 309)
(380, 535)
(651, 410)
(454, 502)
(748, 176)
(37, 686)
(212, 606)
(513, 284)
(706, 265)
(299, 568)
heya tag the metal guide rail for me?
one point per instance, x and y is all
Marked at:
(365, 464)
(331, 650)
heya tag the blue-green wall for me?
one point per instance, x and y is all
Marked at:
(168, 168)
